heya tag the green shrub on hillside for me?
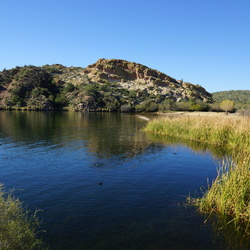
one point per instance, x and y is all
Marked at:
(69, 87)
(31, 84)
(183, 106)
(147, 106)
(167, 105)
(126, 108)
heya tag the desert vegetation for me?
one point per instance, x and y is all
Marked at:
(108, 85)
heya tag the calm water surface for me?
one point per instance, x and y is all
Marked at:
(57, 161)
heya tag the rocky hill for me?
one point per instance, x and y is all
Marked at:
(134, 76)
(107, 85)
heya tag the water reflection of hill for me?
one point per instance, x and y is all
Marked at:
(105, 134)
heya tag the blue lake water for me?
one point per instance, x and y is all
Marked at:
(102, 183)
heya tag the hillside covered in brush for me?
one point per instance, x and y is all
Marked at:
(107, 85)
(238, 96)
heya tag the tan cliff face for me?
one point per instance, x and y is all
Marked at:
(135, 76)
(121, 70)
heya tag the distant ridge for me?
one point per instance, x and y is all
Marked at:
(238, 96)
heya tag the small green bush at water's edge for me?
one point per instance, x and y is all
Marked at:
(18, 229)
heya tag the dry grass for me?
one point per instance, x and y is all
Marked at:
(229, 131)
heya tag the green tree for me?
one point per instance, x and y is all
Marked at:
(227, 106)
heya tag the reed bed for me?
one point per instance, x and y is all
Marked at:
(229, 195)
(17, 227)
(230, 132)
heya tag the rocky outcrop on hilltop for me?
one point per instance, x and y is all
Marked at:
(107, 85)
(137, 77)
(123, 71)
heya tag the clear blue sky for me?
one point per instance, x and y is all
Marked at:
(205, 42)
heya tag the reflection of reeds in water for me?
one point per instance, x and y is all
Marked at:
(234, 236)
(196, 146)
(228, 198)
